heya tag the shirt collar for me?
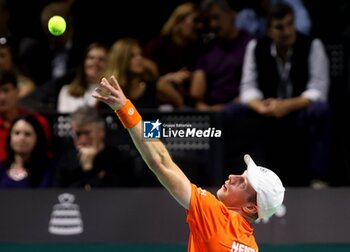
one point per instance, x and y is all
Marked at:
(273, 50)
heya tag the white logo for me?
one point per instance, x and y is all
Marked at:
(151, 129)
(237, 247)
(202, 192)
(131, 111)
(65, 217)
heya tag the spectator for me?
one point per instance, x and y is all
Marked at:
(78, 92)
(10, 109)
(9, 61)
(27, 164)
(216, 80)
(90, 161)
(286, 81)
(138, 76)
(252, 18)
(175, 52)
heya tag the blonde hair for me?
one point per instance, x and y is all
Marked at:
(118, 61)
(170, 27)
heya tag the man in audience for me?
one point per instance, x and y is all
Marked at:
(90, 161)
(216, 80)
(285, 82)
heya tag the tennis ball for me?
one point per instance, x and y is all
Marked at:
(57, 25)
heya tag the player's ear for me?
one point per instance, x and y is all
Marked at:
(250, 208)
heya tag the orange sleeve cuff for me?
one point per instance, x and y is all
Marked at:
(128, 115)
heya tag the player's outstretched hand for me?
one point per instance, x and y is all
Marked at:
(110, 92)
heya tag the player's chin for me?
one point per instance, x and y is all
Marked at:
(220, 192)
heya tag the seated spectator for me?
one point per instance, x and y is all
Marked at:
(285, 82)
(9, 61)
(27, 164)
(90, 162)
(215, 82)
(252, 17)
(78, 92)
(138, 76)
(10, 109)
(175, 52)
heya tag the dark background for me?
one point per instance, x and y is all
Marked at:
(108, 20)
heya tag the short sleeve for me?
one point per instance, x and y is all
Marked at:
(206, 213)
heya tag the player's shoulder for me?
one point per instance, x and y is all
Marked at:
(202, 193)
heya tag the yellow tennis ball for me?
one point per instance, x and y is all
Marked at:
(57, 25)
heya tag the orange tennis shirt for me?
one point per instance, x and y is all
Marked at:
(214, 228)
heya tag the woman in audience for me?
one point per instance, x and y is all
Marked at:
(28, 162)
(78, 92)
(175, 51)
(137, 75)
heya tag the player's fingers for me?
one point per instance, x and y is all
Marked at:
(115, 82)
(100, 97)
(106, 85)
(102, 91)
(105, 82)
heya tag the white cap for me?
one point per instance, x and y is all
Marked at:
(268, 186)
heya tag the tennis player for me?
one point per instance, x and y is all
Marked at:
(222, 223)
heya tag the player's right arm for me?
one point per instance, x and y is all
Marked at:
(153, 152)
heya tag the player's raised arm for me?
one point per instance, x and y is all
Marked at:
(153, 152)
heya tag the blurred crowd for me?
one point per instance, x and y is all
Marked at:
(272, 70)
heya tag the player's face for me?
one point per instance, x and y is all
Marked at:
(236, 191)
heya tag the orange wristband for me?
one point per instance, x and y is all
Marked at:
(128, 115)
